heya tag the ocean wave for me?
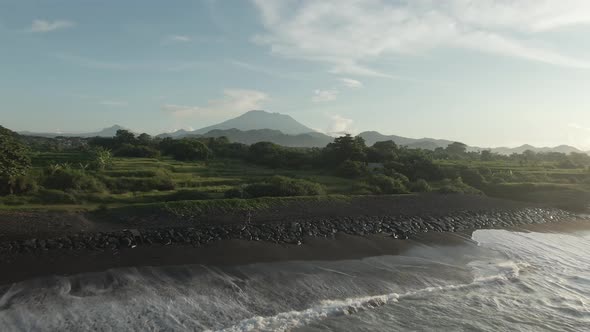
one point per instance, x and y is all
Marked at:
(507, 271)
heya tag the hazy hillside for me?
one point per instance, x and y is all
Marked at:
(106, 132)
(371, 137)
(430, 144)
(257, 126)
(562, 148)
(275, 136)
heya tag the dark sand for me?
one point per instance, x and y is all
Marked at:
(19, 225)
(221, 253)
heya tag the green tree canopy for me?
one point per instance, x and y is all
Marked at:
(124, 137)
(456, 148)
(188, 149)
(346, 148)
(14, 159)
(383, 151)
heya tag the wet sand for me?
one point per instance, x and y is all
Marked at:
(240, 252)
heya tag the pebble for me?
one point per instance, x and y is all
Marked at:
(292, 233)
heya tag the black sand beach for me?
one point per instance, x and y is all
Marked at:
(35, 244)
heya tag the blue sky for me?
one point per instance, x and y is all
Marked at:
(485, 72)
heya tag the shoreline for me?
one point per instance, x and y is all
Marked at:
(369, 227)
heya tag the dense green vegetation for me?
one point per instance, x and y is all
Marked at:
(129, 169)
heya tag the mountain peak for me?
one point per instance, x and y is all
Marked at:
(259, 119)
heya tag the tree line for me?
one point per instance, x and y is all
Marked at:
(384, 167)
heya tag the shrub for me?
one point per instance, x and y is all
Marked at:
(278, 186)
(397, 176)
(13, 200)
(188, 195)
(457, 186)
(101, 159)
(568, 164)
(21, 184)
(486, 172)
(140, 173)
(137, 151)
(420, 186)
(363, 188)
(388, 185)
(72, 179)
(497, 179)
(351, 169)
(472, 177)
(51, 196)
(237, 192)
(160, 181)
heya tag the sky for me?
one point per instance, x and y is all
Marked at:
(485, 72)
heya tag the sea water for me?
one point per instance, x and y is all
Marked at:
(493, 280)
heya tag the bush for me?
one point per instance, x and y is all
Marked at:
(351, 169)
(486, 172)
(472, 177)
(18, 185)
(132, 173)
(51, 196)
(13, 200)
(363, 188)
(397, 176)
(388, 185)
(72, 179)
(101, 159)
(278, 186)
(188, 195)
(137, 151)
(237, 192)
(497, 179)
(457, 186)
(568, 164)
(420, 186)
(160, 181)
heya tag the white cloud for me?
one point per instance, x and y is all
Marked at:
(235, 101)
(340, 125)
(179, 39)
(47, 26)
(114, 103)
(320, 96)
(350, 83)
(350, 35)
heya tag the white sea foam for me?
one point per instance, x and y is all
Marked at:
(506, 270)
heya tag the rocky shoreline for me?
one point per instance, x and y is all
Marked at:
(294, 232)
(35, 244)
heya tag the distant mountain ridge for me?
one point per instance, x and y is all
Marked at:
(372, 137)
(257, 126)
(520, 149)
(106, 132)
(309, 140)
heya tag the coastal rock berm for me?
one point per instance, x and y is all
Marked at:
(295, 232)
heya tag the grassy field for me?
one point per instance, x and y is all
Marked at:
(200, 181)
(192, 180)
(567, 188)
